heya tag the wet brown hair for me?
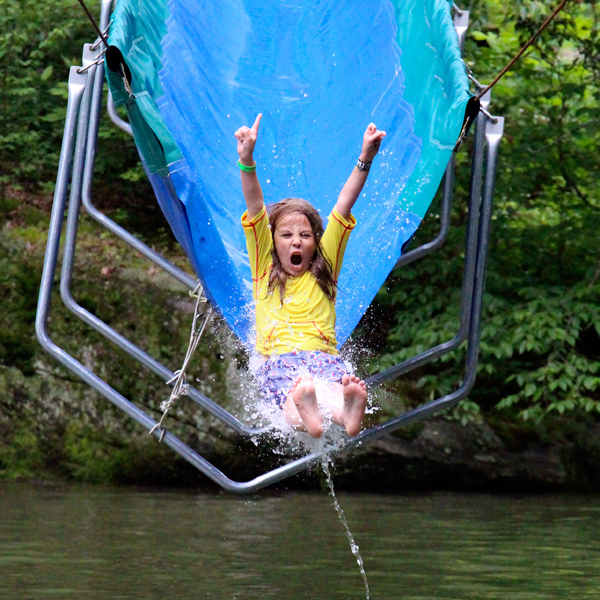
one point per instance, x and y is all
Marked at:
(320, 267)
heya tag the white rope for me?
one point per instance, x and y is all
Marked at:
(180, 386)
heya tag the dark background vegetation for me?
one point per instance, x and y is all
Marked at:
(539, 373)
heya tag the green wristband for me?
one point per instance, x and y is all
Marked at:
(246, 168)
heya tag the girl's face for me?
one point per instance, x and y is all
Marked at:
(295, 243)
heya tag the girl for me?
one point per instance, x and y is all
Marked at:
(295, 267)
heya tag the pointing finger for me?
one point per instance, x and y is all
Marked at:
(257, 122)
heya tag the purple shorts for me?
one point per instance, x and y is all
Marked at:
(278, 374)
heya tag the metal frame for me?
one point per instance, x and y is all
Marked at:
(76, 171)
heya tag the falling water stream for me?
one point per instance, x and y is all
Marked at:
(353, 545)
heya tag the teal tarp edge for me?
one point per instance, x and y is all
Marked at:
(137, 29)
(439, 131)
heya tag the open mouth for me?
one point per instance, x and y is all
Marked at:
(296, 260)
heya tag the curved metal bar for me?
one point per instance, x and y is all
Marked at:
(114, 117)
(493, 133)
(157, 258)
(461, 24)
(105, 11)
(81, 92)
(172, 441)
(85, 147)
(77, 84)
(446, 211)
(468, 273)
(76, 87)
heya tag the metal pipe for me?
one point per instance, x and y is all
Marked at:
(157, 258)
(105, 11)
(295, 466)
(86, 139)
(494, 132)
(461, 24)
(446, 211)
(468, 273)
(87, 142)
(114, 117)
(76, 87)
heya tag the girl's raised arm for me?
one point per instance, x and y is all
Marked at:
(353, 187)
(253, 195)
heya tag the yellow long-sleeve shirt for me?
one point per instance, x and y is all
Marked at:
(306, 318)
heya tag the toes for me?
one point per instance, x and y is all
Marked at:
(345, 379)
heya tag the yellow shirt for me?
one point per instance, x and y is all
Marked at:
(306, 318)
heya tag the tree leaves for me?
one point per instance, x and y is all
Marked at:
(540, 340)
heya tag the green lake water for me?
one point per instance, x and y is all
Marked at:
(105, 543)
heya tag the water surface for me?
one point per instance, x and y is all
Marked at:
(104, 543)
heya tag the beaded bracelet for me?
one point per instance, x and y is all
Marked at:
(363, 165)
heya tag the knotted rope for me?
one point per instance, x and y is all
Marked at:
(180, 386)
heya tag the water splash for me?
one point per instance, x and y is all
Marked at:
(353, 545)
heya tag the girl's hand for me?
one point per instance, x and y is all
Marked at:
(371, 142)
(246, 138)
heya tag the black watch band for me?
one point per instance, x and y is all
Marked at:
(364, 166)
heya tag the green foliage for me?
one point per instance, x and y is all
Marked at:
(39, 41)
(23, 457)
(19, 280)
(540, 349)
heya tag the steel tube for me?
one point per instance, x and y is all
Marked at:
(476, 256)
(461, 24)
(76, 87)
(493, 134)
(157, 258)
(446, 212)
(115, 118)
(84, 142)
(468, 273)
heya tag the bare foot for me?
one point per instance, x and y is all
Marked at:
(355, 402)
(305, 399)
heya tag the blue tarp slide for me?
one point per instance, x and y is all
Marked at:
(319, 72)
